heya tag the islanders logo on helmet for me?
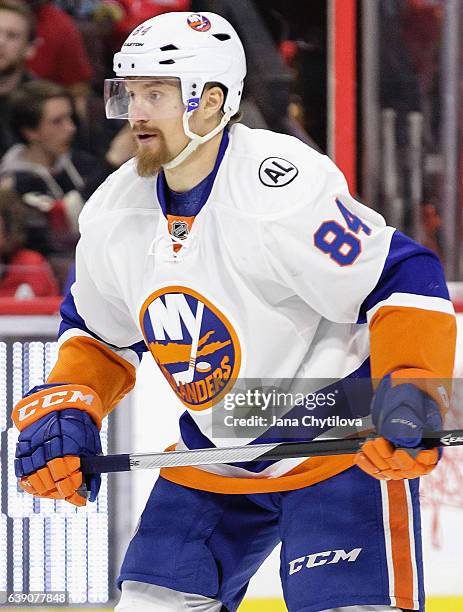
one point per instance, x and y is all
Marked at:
(198, 22)
(193, 343)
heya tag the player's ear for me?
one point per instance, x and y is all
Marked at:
(212, 101)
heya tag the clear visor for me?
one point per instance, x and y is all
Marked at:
(143, 99)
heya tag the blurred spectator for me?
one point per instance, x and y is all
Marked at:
(53, 179)
(17, 43)
(80, 9)
(299, 30)
(60, 55)
(70, 53)
(23, 273)
(17, 34)
(123, 16)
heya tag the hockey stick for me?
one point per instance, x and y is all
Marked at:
(98, 464)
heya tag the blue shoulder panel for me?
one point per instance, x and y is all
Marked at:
(409, 268)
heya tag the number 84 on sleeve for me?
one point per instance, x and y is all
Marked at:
(341, 244)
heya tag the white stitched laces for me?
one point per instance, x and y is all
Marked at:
(163, 246)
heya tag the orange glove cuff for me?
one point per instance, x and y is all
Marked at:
(41, 403)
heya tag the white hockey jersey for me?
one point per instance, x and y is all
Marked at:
(270, 282)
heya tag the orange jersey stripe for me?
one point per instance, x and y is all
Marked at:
(86, 361)
(399, 521)
(307, 473)
(406, 337)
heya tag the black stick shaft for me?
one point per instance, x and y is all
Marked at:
(257, 452)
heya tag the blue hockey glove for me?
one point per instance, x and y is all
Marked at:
(49, 448)
(400, 414)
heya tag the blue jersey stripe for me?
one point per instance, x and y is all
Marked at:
(409, 268)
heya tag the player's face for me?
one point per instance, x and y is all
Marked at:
(155, 115)
(14, 44)
(56, 129)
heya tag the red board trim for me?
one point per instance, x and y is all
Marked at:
(35, 306)
(344, 65)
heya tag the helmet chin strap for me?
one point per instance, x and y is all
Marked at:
(195, 139)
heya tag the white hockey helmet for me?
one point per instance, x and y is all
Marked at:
(196, 48)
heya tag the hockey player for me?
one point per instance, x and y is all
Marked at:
(229, 252)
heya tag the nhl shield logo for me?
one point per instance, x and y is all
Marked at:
(194, 344)
(180, 229)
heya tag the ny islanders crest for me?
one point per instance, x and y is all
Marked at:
(193, 343)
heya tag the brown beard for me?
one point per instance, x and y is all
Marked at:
(149, 163)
